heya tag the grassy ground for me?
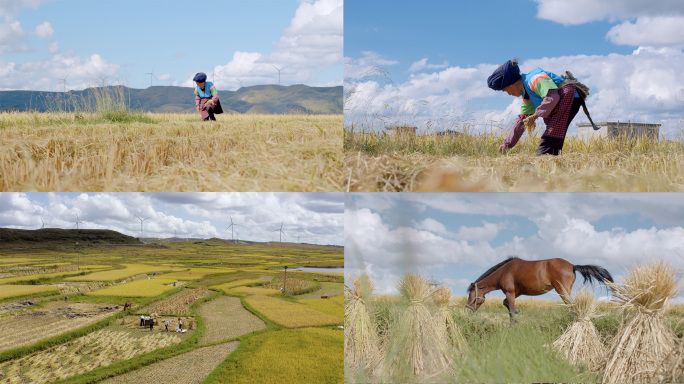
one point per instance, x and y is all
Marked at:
(498, 352)
(378, 162)
(170, 152)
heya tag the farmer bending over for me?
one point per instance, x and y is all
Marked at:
(541, 97)
(206, 97)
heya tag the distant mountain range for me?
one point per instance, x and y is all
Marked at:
(267, 99)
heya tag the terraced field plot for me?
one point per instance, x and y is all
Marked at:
(178, 303)
(290, 315)
(119, 274)
(139, 288)
(9, 291)
(175, 369)
(226, 318)
(31, 326)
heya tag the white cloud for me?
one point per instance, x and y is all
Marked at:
(649, 31)
(422, 64)
(9, 8)
(44, 31)
(12, 38)
(583, 11)
(312, 43)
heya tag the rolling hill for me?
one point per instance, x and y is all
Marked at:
(48, 237)
(269, 99)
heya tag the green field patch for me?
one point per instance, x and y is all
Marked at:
(19, 260)
(139, 288)
(196, 273)
(293, 356)
(237, 283)
(118, 274)
(251, 291)
(290, 315)
(9, 291)
(95, 267)
(51, 264)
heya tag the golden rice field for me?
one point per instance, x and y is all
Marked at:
(9, 280)
(9, 291)
(471, 162)
(294, 356)
(251, 291)
(238, 283)
(97, 349)
(333, 306)
(196, 273)
(290, 315)
(179, 303)
(170, 152)
(138, 288)
(118, 274)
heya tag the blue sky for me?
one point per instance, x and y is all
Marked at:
(437, 55)
(315, 218)
(455, 237)
(44, 41)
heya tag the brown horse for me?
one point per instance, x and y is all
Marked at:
(517, 277)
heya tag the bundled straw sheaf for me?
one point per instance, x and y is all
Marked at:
(417, 348)
(644, 340)
(581, 342)
(361, 341)
(445, 321)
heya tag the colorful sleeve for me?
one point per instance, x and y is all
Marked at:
(196, 92)
(213, 90)
(517, 130)
(541, 83)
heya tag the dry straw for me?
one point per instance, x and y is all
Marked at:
(644, 340)
(415, 342)
(361, 341)
(445, 321)
(581, 343)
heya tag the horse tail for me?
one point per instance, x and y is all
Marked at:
(590, 272)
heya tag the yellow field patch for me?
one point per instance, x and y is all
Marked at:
(19, 260)
(8, 291)
(50, 264)
(118, 274)
(252, 291)
(9, 280)
(139, 288)
(329, 306)
(290, 315)
(238, 283)
(196, 273)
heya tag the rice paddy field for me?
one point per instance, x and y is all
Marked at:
(169, 152)
(404, 338)
(74, 329)
(470, 162)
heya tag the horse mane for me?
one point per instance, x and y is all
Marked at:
(491, 270)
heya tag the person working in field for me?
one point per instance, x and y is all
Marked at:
(544, 94)
(206, 97)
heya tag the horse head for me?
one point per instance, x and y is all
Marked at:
(474, 300)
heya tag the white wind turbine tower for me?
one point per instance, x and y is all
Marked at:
(64, 82)
(41, 220)
(141, 225)
(278, 69)
(281, 231)
(77, 222)
(231, 228)
(151, 75)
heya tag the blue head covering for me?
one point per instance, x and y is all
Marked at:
(200, 77)
(504, 76)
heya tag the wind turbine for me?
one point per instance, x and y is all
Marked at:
(151, 75)
(240, 80)
(77, 222)
(103, 80)
(231, 228)
(141, 225)
(278, 69)
(281, 231)
(41, 220)
(64, 82)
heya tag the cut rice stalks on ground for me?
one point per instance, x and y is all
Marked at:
(445, 319)
(415, 343)
(581, 342)
(361, 340)
(672, 370)
(644, 340)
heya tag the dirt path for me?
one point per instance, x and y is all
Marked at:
(187, 368)
(225, 318)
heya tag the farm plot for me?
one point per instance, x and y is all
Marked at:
(97, 349)
(9, 291)
(196, 273)
(178, 304)
(139, 288)
(55, 318)
(119, 274)
(175, 369)
(238, 283)
(332, 306)
(226, 318)
(293, 356)
(26, 278)
(290, 315)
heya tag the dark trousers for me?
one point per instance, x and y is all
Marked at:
(210, 111)
(553, 145)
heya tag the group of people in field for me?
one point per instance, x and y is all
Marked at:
(149, 321)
